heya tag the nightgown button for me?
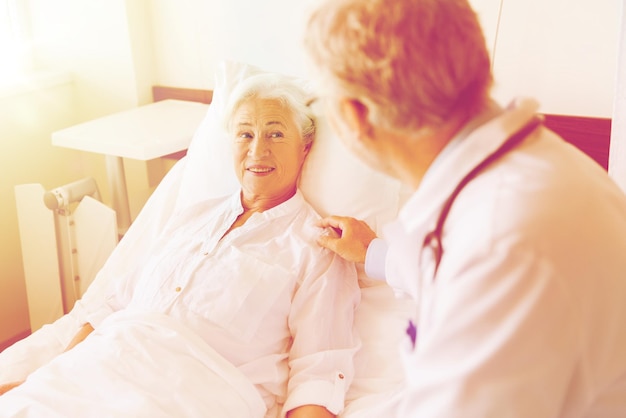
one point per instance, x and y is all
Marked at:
(178, 289)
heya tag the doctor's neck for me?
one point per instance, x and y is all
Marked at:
(411, 155)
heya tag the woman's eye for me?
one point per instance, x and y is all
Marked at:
(276, 135)
(244, 135)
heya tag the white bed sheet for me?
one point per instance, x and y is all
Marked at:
(333, 181)
(136, 365)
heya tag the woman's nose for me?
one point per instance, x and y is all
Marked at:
(258, 148)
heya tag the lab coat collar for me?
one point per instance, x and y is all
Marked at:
(467, 150)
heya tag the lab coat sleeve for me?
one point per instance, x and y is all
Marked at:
(324, 341)
(497, 338)
(375, 259)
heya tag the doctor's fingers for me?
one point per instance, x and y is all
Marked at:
(354, 229)
(336, 222)
(346, 225)
(349, 249)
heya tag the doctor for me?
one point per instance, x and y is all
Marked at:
(513, 244)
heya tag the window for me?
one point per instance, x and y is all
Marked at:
(15, 48)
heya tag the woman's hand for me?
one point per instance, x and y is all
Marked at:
(82, 333)
(350, 238)
(4, 388)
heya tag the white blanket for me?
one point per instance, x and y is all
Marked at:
(136, 365)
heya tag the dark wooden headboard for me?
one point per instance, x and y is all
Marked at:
(192, 95)
(591, 135)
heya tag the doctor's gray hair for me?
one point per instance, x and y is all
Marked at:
(413, 63)
(292, 93)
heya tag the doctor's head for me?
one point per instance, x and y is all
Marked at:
(272, 130)
(403, 66)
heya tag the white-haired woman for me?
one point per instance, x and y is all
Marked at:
(513, 242)
(245, 273)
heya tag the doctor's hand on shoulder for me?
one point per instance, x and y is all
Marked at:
(348, 237)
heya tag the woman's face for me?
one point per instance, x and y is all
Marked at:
(268, 150)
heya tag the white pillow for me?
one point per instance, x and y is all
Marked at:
(334, 182)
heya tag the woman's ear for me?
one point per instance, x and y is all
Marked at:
(356, 114)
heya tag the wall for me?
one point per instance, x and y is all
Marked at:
(489, 13)
(182, 40)
(563, 52)
(89, 39)
(105, 47)
(191, 37)
(617, 156)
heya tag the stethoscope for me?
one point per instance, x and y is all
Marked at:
(432, 240)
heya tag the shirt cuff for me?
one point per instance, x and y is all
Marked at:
(375, 259)
(330, 395)
(96, 318)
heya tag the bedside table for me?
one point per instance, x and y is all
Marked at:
(142, 133)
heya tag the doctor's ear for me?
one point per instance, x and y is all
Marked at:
(356, 115)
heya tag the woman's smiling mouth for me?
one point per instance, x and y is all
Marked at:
(260, 169)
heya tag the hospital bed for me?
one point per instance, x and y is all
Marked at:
(333, 181)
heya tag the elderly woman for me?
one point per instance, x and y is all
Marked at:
(244, 272)
(513, 242)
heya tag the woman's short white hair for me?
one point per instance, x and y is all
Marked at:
(290, 92)
(414, 63)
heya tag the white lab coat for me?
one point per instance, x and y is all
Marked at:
(527, 314)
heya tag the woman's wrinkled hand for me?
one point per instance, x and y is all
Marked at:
(348, 237)
(5, 387)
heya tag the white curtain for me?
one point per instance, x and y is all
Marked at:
(617, 155)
